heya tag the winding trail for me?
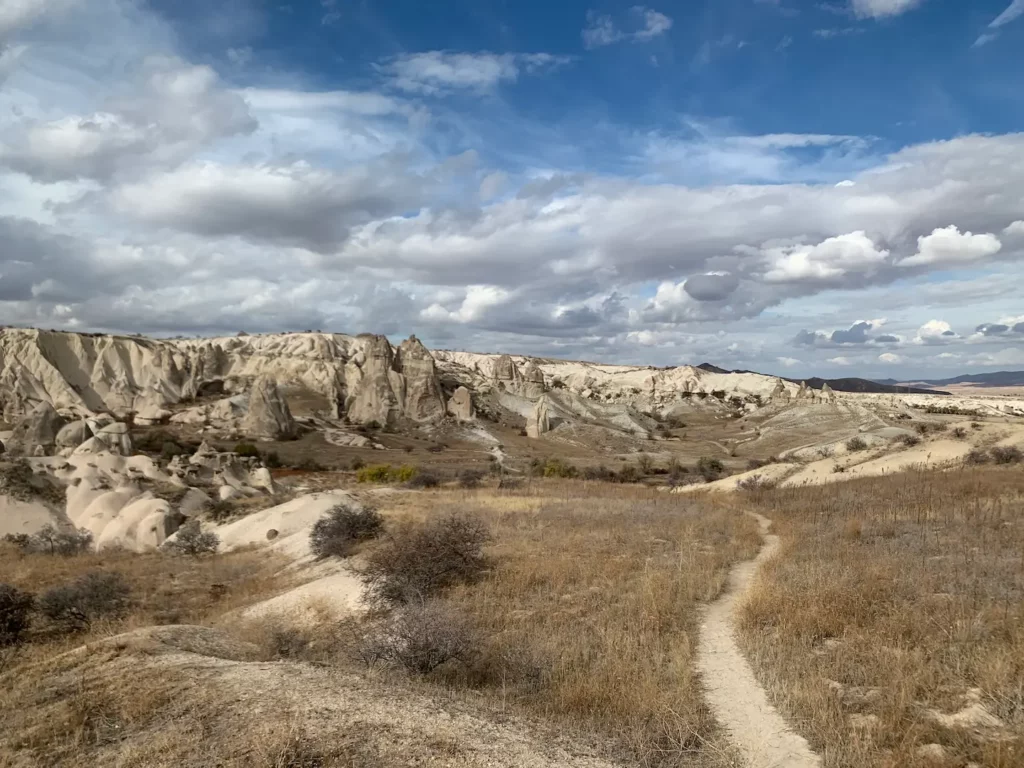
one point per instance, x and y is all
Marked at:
(739, 702)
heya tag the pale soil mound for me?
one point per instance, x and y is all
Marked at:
(149, 699)
(333, 590)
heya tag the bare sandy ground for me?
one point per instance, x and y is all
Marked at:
(738, 701)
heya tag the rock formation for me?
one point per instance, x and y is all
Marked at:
(268, 416)
(779, 395)
(461, 405)
(538, 422)
(36, 433)
(533, 382)
(73, 434)
(506, 374)
(423, 400)
(114, 436)
(372, 397)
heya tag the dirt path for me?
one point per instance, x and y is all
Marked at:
(755, 727)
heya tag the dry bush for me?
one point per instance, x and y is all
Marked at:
(895, 596)
(909, 440)
(590, 612)
(16, 609)
(856, 444)
(1006, 454)
(977, 456)
(48, 540)
(420, 561)
(419, 638)
(755, 484)
(709, 468)
(470, 478)
(73, 607)
(337, 532)
(422, 480)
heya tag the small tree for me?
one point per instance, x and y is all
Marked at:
(645, 463)
(344, 525)
(191, 540)
(15, 614)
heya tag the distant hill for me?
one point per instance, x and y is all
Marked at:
(995, 379)
(887, 387)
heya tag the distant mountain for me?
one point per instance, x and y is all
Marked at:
(887, 387)
(995, 379)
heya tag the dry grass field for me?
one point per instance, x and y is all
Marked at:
(891, 627)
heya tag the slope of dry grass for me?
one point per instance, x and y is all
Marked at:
(895, 601)
(593, 607)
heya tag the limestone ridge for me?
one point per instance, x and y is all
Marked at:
(268, 415)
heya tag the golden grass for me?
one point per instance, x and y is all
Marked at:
(893, 598)
(593, 606)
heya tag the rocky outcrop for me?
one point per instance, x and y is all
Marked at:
(73, 434)
(268, 416)
(423, 400)
(827, 395)
(461, 405)
(36, 434)
(114, 437)
(506, 374)
(533, 382)
(539, 420)
(373, 395)
(779, 395)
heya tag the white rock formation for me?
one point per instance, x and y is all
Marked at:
(539, 420)
(268, 416)
(36, 432)
(461, 405)
(533, 382)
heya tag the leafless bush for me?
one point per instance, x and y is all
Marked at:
(755, 483)
(419, 638)
(418, 562)
(908, 440)
(423, 480)
(1007, 454)
(977, 456)
(192, 540)
(959, 433)
(342, 527)
(710, 469)
(75, 606)
(470, 478)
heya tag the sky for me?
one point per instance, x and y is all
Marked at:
(799, 188)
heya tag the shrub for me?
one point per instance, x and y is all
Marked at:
(335, 533)
(418, 562)
(420, 638)
(756, 463)
(1007, 454)
(908, 440)
(271, 460)
(379, 473)
(855, 444)
(49, 540)
(975, 425)
(644, 463)
(247, 450)
(423, 480)
(470, 478)
(976, 456)
(559, 468)
(959, 433)
(356, 464)
(599, 472)
(436, 447)
(403, 474)
(95, 595)
(309, 464)
(170, 449)
(629, 474)
(755, 483)
(709, 468)
(192, 540)
(15, 614)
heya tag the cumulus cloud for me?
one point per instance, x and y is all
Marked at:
(601, 30)
(856, 334)
(840, 361)
(880, 9)
(948, 247)
(713, 286)
(1015, 228)
(935, 332)
(435, 72)
(890, 358)
(829, 260)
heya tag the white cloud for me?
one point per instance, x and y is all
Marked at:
(18, 14)
(478, 299)
(789, 362)
(1011, 13)
(935, 332)
(601, 29)
(1014, 229)
(890, 358)
(830, 259)
(840, 361)
(435, 72)
(947, 246)
(878, 9)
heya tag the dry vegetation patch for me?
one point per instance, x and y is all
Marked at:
(893, 620)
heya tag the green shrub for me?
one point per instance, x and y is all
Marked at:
(379, 473)
(403, 474)
(344, 525)
(191, 540)
(247, 450)
(271, 460)
(356, 464)
(48, 540)
(710, 468)
(559, 468)
(601, 473)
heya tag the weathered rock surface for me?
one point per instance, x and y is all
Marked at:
(36, 431)
(461, 405)
(268, 416)
(506, 374)
(539, 420)
(73, 434)
(423, 399)
(533, 381)
(114, 436)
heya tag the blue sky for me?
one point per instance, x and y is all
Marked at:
(832, 188)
